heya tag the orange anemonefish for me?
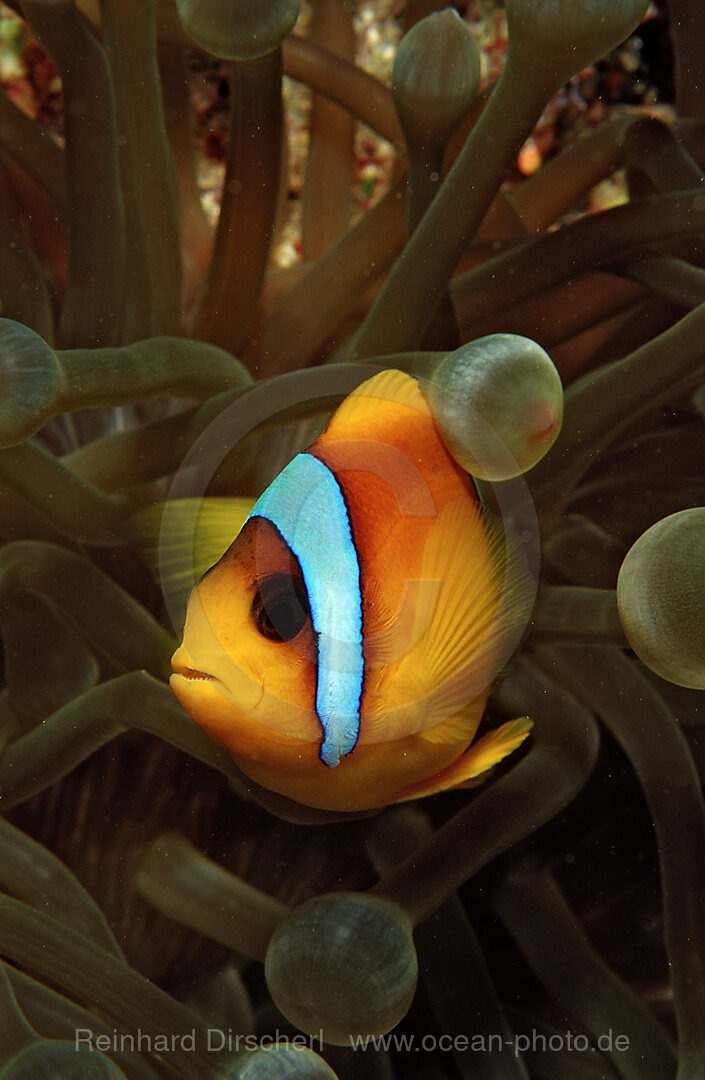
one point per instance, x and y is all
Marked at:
(342, 648)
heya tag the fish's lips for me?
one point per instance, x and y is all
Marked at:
(184, 669)
(191, 674)
(190, 682)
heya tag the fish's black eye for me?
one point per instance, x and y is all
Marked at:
(280, 608)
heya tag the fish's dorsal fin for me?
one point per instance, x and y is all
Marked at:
(181, 539)
(393, 385)
(390, 386)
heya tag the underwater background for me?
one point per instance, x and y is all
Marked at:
(548, 923)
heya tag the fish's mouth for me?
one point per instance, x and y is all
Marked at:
(183, 668)
(191, 674)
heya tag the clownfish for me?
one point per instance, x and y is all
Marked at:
(343, 647)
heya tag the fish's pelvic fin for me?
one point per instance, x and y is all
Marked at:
(472, 766)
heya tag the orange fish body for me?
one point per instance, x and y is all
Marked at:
(342, 648)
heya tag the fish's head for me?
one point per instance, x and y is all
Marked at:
(246, 671)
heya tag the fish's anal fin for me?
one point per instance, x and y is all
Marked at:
(182, 538)
(472, 766)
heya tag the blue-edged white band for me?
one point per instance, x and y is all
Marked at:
(306, 506)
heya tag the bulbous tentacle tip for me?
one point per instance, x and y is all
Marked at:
(281, 1063)
(498, 403)
(661, 598)
(343, 965)
(60, 1060)
(239, 30)
(30, 381)
(435, 77)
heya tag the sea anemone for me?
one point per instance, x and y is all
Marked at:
(160, 914)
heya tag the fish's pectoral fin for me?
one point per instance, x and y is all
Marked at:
(182, 538)
(382, 633)
(481, 605)
(458, 729)
(471, 767)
